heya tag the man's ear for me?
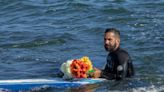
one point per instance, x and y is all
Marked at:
(118, 41)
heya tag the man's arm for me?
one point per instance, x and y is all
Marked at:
(107, 74)
(103, 73)
(122, 68)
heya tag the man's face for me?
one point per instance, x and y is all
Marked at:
(110, 41)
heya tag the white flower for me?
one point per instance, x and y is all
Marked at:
(65, 68)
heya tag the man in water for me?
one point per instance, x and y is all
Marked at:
(119, 64)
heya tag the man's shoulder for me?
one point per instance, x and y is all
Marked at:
(122, 52)
(123, 56)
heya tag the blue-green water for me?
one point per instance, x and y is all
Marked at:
(37, 36)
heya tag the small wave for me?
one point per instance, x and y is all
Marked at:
(36, 89)
(40, 3)
(40, 41)
(34, 43)
(8, 5)
(5, 90)
(115, 10)
(151, 88)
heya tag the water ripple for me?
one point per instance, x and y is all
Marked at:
(45, 33)
(37, 41)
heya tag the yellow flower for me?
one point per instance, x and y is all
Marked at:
(86, 60)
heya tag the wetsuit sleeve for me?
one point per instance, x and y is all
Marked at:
(107, 74)
(122, 67)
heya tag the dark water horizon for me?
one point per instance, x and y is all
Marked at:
(37, 36)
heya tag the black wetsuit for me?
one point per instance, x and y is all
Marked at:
(119, 65)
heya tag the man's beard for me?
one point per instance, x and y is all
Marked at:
(110, 48)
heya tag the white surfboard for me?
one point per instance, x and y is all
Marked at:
(27, 84)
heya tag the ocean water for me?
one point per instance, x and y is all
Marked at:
(37, 36)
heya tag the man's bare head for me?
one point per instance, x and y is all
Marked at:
(111, 39)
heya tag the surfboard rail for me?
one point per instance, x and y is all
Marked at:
(26, 84)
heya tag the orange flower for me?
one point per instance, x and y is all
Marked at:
(79, 69)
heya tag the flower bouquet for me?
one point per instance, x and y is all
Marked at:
(77, 68)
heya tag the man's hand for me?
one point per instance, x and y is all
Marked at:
(96, 73)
